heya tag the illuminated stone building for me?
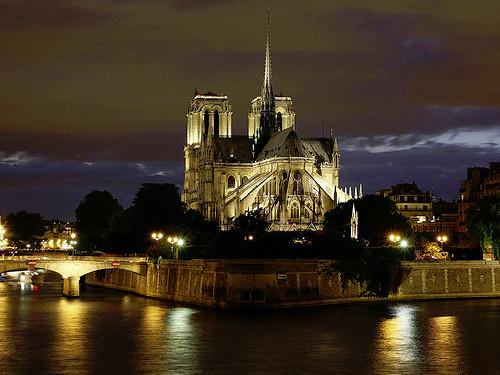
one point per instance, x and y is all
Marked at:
(480, 182)
(293, 180)
(411, 202)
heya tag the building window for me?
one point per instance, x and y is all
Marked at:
(231, 182)
(295, 211)
(206, 122)
(279, 121)
(216, 123)
(244, 180)
(297, 184)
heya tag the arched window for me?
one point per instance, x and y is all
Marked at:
(279, 121)
(231, 182)
(295, 211)
(297, 187)
(244, 180)
(206, 122)
(216, 123)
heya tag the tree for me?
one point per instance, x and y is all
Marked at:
(430, 250)
(24, 227)
(156, 207)
(94, 217)
(378, 216)
(483, 222)
(251, 222)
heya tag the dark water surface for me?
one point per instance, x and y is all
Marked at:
(107, 332)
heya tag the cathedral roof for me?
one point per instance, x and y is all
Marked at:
(285, 143)
(237, 149)
(320, 147)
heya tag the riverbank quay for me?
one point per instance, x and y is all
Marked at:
(250, 284)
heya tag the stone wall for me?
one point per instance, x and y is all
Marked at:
(287, 283)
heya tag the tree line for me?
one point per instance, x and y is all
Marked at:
(104, 225)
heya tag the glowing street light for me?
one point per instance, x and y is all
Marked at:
(177, 242)
(394, 237)
(442, 239)
(157, 236)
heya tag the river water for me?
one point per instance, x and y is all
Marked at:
(106, 332)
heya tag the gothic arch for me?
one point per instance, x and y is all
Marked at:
(279, 121)
(206, 123)
(216, 123)
(231, 182)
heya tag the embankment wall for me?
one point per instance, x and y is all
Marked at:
(289, 283)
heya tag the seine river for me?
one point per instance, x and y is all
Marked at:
(106, 332)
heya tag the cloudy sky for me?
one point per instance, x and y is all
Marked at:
(94, 93)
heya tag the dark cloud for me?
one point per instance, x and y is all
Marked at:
(115, 147)
(46, 14)
(194, 4)
(54, 188)
(108, 82)
(438, 170)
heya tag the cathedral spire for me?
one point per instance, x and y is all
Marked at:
(267, 112)
(267, 84)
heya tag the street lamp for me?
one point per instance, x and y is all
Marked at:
(442, 239)
(404, 245)
(157, 236)
(394, 237)
(177, 242)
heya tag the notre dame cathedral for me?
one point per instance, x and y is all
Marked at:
(293, 180)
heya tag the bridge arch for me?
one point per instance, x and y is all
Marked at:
(72, 268)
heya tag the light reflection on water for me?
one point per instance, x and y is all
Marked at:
(444, 346)
(106, 332)
(396, 347)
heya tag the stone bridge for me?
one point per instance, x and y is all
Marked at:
(71, 268)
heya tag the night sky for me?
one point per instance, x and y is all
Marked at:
(94, 93)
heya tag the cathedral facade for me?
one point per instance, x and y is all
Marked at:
(292, 180)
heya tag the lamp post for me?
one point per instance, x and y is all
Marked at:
(404, 245)
(442, 239)
(394, 238)
(176, 242)
(157, 236)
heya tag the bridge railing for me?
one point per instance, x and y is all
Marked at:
(64, 257)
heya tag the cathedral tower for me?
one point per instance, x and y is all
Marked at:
(208, 115)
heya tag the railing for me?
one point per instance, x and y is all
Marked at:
(64, 257)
